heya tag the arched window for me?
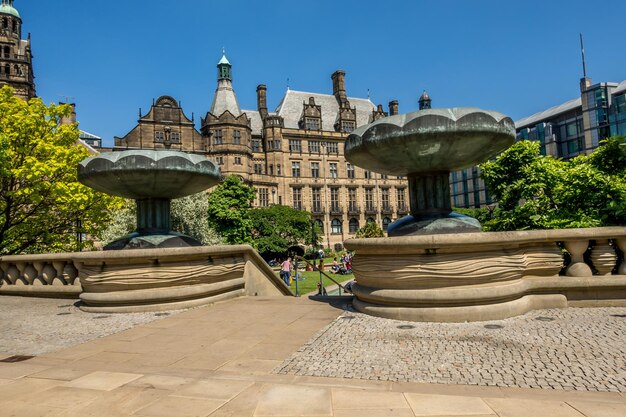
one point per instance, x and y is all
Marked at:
(7, 69)
(320, 225)
(15, 26)
(370, 220)
(335, 227)
(5, 23)
(6, 51)
(386, 223)
(354, 225)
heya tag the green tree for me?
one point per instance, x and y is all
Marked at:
(229, 210)
(371, 229)
(42, 205)
(541, 192)
(188, 215)
(276, 228)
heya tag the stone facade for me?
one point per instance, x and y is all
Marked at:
(16, 59)
(293, 156)
(164, 127)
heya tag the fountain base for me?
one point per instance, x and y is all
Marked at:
(433, 224)
(138, 240)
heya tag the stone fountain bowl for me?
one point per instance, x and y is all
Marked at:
(140, 174)
(433, 140)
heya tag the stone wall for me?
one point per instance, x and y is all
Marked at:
(142, 280)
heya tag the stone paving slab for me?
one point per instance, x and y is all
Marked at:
(569, 349)
(93, 379)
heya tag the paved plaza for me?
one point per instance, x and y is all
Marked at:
(220, 361)
(575, 348)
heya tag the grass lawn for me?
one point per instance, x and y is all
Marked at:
(309, 284)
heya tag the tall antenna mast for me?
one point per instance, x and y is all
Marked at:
(582, 51)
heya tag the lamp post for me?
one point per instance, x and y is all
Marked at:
(326, 210)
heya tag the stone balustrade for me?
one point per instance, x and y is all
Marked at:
(142, 280)
(486, 276)
(39, 275)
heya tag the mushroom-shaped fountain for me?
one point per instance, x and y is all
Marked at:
(152, 178)
(426, 146)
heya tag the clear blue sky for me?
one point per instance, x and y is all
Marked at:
(517, 57)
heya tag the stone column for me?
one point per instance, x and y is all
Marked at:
(430, 193)
(153, 215)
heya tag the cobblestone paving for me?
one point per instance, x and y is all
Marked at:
(579, 349)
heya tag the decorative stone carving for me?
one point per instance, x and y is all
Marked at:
(603, 257)
(111, 278)
(456, 269)
(577, 266)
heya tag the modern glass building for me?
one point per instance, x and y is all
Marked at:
(564, 131)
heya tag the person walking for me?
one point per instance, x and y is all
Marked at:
(285, 271)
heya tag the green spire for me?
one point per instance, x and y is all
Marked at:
(224, 67)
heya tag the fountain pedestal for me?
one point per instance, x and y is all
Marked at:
(152, 178)
(426, 146)
(431, 211)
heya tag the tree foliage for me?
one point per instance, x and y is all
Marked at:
(276, 228)
(41, 202)
(371, 229)
(188, 215)
(541, 192)
(229, 210)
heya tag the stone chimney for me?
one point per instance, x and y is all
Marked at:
(339, 86)
(261, 100)
(393, 107)
(71, 118)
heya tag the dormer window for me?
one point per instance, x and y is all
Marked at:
(159, 136)
(175, 137)
(312, 123)
(347, 126)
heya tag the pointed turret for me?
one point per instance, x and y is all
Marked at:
(225, 98)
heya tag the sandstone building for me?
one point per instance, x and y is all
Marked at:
(293, 155)
(16, 59)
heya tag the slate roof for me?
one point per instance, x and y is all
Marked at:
(225, 99)
(290, 108)
(256, 123)
(549, 113)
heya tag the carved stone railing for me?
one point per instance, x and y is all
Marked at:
(486, 276)
(142, 279)
(39, 275)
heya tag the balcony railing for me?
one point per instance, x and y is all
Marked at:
(387, 209)
(354, 209)
(335, 209)
(370, 209)
(403, 209)
(317, 209)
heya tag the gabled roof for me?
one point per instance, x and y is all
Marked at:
(290, 108)
(549, 113)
